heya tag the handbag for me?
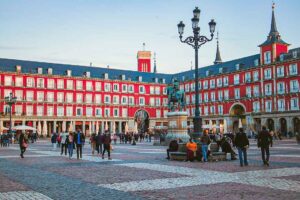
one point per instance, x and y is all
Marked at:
(111, 147)
(24, 144)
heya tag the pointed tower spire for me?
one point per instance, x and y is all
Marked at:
(218, 59)
(154, 58)
(273, 31)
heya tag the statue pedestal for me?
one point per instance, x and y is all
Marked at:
(177, 126)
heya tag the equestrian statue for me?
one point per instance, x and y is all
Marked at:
(176, 98)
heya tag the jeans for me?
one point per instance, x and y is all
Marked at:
(62, 148)
(204, 152)
(265, 150)
(107, 148)
(99, 148)
(70, 150)
(243, 152)
(79, 150)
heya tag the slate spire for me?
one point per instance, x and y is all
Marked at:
(273, 31)
(218, 55)
(154, 58)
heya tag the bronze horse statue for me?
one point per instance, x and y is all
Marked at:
(176, 98)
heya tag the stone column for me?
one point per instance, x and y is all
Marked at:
(289, 124)
(54, 126)
(93, 127)
(111, 125)
(83, 127)
(120, 126)
(263, 121)
(276, 124)
(102, 126)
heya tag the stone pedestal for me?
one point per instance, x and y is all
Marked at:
(177, 126)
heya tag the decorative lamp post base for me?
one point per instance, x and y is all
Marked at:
(197, 128)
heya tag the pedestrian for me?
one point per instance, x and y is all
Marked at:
(264, 141)
(23, 142)
(226, 146)
(205, 141)
(64, 144)
(115, 138)
(70, 143)
(99, 143)
(242, 143)
(173, 147)
(93, 142)
(106, 144)
(79, 140)
(58, 139)
(191, 148)
(54, 140)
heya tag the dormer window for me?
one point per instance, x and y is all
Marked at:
(220, 70)
(156, 80)
(50, 71)
(295, 53)
(105, 75)
(163, 81)
(207, 73)
(183, 78)
(267, 57)
(237, 66)
(69, 72)
(123, 77)
(281, 57)
(256, 62)
(18, 69)
(87, 74)
(140, 78)
(40, 70)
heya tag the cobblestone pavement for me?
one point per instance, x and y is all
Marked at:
(142, 172)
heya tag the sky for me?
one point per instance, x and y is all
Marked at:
(110, 32)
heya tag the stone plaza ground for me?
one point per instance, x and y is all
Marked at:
(142, 172)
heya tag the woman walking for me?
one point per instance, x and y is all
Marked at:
(205, 141)
(23, 141)
(70, 143)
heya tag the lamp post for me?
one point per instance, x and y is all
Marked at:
(10, 100)
(196, 42)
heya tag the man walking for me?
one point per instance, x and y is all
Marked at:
(242, 143)
(264, 140)
(106, 143)
(79, 139)
(64, 144)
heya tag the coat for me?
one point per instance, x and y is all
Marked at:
(241, 140)
(264, 139)
(81, 137)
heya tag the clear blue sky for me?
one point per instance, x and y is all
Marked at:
(110, 32)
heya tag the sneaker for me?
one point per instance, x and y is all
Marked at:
(267, 163)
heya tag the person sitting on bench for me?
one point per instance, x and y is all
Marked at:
(173, 147)
(191, 148)
(227, 148)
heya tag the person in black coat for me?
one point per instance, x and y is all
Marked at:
(79, 141)
(264, 140)
(242, 143)
(173, 147)
(23, 142)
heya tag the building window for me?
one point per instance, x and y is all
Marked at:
(69, 111)
(88, 98)
(255, 76)
(107, 87)
(152, 101)
(60, 111)
(19, 95)
(18, 110)
(50, 83)
(107, 99)
(205, 97)
(268, 106)
(256, 62)
(29, 95)
(70, 84)
(97, 98)
(141, 101)
(157, 101)
(40, 83)
(267, 74)
(29, 110)
(165, 90)
(107, 112)
(157, 90)
(256, 106)
(19, 82)
(165, 101)
(40, 111)
(248, 91)
(225, 80)
(213, 96)
(295, 104)
(116, 112)
(281, 105)
(187, 99)
(236, 79)
(124, 112)
(293, 68)
(60, 84)
(187, 87)
(141, 89)
(30, 82)
(280, 71)
(8, 81)
(124, 100)
(60, 97)
(256, 91)
(280, 88)
(268, 89)
(205, 110)
(130, 89)
(248, 77)
(50, 111)
(50, 96)
(237, 93)
(69, 97)
(79, 85)
(212, 83)
(40, 96)
(89, 112)
(116, 87)
(116, 99)
(98, 86)
(193, 98)
(294, 86)
(78, 111)
(124, 88)
(267, 57)
(192, 87)
(220, 109)
(89, 86)
(158, 113)
(219, 82)
(98, 112)
(199, 85)
(131, 101)
(220, 95)
(151, 90)
(205, 84)
(226, 94)
(212, 110)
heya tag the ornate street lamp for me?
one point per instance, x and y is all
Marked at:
(10, 100)
(196, 42)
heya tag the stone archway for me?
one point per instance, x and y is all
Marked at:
(237, 111)
(296, 125)
(141, 117)
(270, 124)
(283, 126)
